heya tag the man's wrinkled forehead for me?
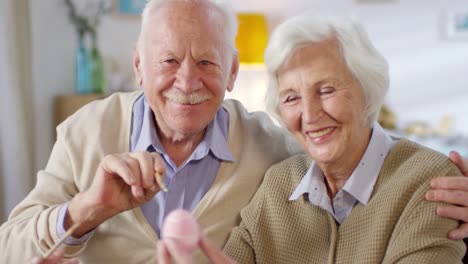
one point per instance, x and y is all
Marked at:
(191, 11)
(186, 20)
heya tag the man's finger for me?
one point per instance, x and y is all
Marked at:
(116, 165)
(151, 192)
(461, 163)
(453, 212)
(134, 166)
(448, 196)
(459, 233)
(158, 163)
(137, 188)
(56, 256)
(145, 161)
(159, 169)
(450, 183)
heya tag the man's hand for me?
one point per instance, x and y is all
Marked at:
(122, 182)
(55, 258)
(454, 191)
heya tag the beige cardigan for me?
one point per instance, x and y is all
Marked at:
(103, 127)
(397, 225)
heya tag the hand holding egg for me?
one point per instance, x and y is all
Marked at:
(182, 227)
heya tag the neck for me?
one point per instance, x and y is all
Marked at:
(337, 172)
(180, 147)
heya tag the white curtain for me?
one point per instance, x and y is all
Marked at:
(16, 124)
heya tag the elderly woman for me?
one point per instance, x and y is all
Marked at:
(357, 195)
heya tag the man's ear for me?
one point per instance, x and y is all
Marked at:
(137, 66)
(233, 73)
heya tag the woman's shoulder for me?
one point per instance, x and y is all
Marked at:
(294, 161)
(407, 150)
(409, 156)
(288, 171)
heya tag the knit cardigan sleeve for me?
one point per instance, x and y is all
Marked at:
(240, 245)
(82, 140)
(31, 227)
(420, 235)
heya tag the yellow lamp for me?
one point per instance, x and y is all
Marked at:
(251, 38)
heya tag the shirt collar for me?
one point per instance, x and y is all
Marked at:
(364, 176)
(362, 180)
(215, 139)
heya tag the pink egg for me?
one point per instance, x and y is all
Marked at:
(181, 226)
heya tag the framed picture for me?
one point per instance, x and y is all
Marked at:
(376, 1)
(455, 24)
(129, 7)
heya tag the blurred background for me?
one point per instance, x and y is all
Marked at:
(57, 55)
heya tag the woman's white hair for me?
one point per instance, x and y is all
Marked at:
(223, 6)
(366, 64)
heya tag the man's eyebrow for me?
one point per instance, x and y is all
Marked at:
(208, 54)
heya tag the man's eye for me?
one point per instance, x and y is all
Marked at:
(205, 62)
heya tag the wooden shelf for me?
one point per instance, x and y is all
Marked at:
(66, 105)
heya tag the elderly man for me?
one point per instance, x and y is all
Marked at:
(101, 170)
(101, 173)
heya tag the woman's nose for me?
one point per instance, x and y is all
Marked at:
(311, 110)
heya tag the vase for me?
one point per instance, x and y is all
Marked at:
(97, 71)
(82, 68)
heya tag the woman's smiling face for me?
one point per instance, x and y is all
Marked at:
(322, 104)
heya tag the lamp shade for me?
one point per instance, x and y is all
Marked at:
(251, 37)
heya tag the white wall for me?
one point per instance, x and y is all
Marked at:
(426, 71)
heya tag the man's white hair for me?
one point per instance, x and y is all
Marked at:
(223, 6)
(366, 64)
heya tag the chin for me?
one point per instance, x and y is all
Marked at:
(189, 128)
(322, 155)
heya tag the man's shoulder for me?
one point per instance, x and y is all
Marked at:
(256, 123)
(109, 111)
(238, 113)
(259, 130)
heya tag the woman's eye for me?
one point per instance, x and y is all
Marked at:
(290, 98)
(327, 90)
(171, 61)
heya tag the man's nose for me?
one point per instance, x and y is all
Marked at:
(188, 77)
